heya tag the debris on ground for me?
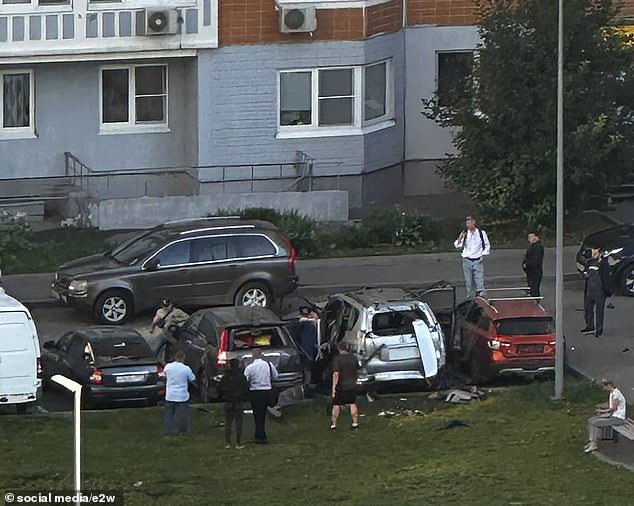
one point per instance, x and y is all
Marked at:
(451, 424)
(463, 396)
(404, 412)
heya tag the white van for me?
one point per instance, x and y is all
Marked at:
(20, 366)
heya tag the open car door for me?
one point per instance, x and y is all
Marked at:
(441, 298)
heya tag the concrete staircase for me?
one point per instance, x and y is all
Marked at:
(35, 197)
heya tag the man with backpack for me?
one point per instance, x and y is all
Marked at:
(475, 245)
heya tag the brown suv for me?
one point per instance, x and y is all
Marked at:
(212, 261)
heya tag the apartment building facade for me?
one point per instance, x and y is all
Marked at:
(218, 87)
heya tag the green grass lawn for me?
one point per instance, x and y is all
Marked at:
(519, 448)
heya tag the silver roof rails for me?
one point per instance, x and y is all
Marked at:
(187, 220)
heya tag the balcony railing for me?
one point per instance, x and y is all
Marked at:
(87, 28)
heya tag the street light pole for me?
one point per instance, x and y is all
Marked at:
(559, 243)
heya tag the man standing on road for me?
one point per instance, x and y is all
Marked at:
(261, 375)
(533, 263)
(598, 287)
(607, 416)
(475, 245)
(344, 384)
(177, 379)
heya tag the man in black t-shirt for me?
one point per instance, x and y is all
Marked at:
(344, 383)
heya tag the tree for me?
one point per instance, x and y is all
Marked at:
(504, 117)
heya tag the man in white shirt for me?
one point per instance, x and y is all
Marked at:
(475, 245)
(261, 375)
(607, 416)
(177, 379)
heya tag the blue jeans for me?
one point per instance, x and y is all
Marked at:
(176, 417)
(473, 276)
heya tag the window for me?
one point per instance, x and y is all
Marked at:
(253, 246)
(134, 96)
(454, 70)
(174, 254)
(348, 97)
(208, 249)
(16, 101)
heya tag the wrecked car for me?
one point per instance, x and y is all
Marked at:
(211, 337)
(394, 334)
(512, 335)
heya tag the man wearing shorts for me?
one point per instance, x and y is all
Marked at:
(344, 383)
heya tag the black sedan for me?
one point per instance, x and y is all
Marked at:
(114, 365)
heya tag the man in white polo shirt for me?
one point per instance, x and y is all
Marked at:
(475, 245)
(261, 375)
(177, 379)
(608, 416)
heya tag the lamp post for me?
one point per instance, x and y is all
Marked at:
(75, 388)
(559, 242)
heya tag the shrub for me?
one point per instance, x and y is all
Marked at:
(15, 236)
(399, 228)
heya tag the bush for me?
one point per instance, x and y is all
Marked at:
(399, 228)
(15, 236)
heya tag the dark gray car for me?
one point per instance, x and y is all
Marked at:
(212, 337)
(196, 263)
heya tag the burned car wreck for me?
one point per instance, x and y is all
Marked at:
(394, 333)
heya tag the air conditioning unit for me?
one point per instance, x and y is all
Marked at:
(297, 20)
(161, 21)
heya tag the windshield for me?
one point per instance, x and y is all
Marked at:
(138, 247)
(525, 326)
(393, 322)
(261, 337)
(132, 347)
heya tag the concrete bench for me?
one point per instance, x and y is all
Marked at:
(625, 430)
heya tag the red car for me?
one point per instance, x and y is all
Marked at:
(500, 336)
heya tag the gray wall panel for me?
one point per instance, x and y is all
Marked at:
(67, 119)
(125, 24)
(18, 28)
(51, 27)
(68, 26)
(35, 27)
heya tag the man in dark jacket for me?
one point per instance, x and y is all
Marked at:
(234, 389)
(533, 262)
(598, 287)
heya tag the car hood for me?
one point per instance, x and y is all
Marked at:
(89, 265)
(609, 237)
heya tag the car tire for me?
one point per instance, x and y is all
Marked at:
(627, 281)
(113, 307)
(253, 294)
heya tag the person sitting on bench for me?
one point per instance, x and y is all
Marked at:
(610, 416)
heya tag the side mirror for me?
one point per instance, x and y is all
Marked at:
(151, 265)
(49, 345)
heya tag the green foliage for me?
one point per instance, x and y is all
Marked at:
(15, 235)
(506, 135)
(399, 228)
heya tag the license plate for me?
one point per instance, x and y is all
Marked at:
(530, 348)
(130, 378)
(403, 353)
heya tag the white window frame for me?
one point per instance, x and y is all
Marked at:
(131, 126)
(359, 125)
(18, 132)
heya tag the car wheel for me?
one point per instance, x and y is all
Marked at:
(206, 390)
(113, 307)
(477, 370)
(253, 294)
(627, 281)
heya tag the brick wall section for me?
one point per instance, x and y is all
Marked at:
(441, 12)
(257, 22)
(384, 18)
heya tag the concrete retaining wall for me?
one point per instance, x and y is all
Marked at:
(146, 212)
